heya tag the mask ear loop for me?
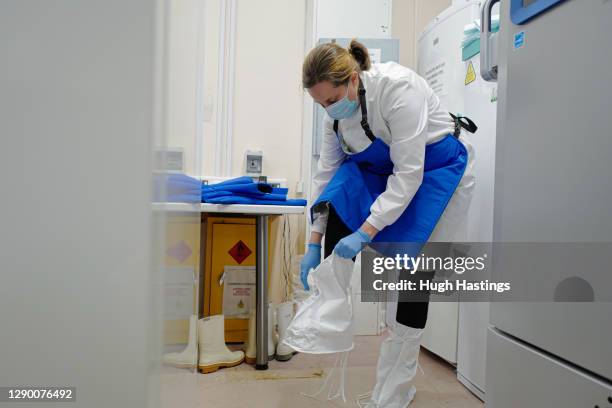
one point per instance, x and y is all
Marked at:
(334, 391)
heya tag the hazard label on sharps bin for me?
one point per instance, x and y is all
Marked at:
(239, 252)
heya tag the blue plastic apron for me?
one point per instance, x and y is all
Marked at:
(362, 177)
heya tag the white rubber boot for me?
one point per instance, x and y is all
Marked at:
(187, 358)
(284, 315)
(214, 354)
(250, 349)
(272, 336)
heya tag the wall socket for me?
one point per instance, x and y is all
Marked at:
(253, 162)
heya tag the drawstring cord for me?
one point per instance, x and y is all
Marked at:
(334, 392)
(363, 400)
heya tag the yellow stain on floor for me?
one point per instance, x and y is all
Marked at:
(243, 375)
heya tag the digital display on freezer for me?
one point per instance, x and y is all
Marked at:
(522, 11)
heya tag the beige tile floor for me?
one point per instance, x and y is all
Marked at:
(281, 386)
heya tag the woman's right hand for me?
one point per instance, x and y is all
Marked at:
(311, 260)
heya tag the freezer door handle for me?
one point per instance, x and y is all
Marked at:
(487, 70)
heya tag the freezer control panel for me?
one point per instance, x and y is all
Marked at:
(522, 11)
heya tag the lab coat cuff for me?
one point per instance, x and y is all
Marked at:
(317, 227)
(376, 222)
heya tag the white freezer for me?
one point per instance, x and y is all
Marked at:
(521, 376)
(440, 64)
(552, 184)
(480, 104)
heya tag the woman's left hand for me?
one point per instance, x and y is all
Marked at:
(349, 246)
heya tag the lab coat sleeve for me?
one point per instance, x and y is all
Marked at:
(405, 111)
(331, 157)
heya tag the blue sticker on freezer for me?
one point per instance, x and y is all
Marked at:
(519, 40)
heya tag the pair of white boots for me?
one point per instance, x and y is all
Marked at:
(276, 348)
(206, 345)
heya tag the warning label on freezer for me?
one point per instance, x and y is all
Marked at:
(470, 76)
(436, 77)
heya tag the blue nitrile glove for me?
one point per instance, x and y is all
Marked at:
(349, 246)
(311, 260)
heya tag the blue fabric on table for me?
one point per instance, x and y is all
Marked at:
(249, 200)
(180, 188)
(176, 188)
(243, 190)
(268, 197)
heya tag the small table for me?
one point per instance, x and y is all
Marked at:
(261, 213)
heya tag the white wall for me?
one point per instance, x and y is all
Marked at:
(268, 100)
(268, 93)
(182, 79)
(192, 82)
(209, 91)
(353, 18)
(267, 97)
(409, 19)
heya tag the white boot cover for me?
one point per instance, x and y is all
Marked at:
(397, 363)
(324, 320)
(397, 366)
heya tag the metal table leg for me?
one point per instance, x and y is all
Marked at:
(262, 292)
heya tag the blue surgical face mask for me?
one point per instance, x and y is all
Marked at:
(342, 109)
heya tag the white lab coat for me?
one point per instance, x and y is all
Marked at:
(405, 113)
